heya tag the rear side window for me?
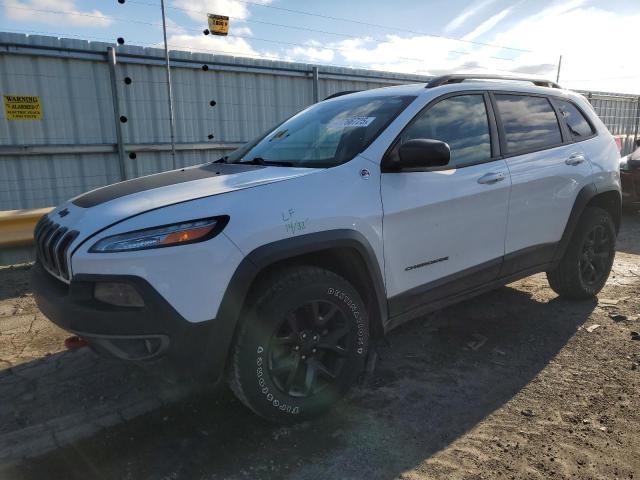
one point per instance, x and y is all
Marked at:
(461, 122)
(529, 123)
(578, 125)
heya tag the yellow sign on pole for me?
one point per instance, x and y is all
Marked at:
(218, 24)
(22, 107)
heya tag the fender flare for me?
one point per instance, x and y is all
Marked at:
(585, 195)
(224, 327)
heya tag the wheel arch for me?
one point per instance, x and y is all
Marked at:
(609, 200)
(345, 252)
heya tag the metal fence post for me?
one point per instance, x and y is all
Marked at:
(172, 127)
(559, 67)
(316, 92)
(635, 132)
(111, 60)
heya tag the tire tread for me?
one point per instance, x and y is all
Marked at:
(275, 282)
(564, 279)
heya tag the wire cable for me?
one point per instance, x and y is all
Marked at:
(218, 51)
(247, 37)
(342, 19)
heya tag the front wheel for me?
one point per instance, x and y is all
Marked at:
(301, 344)
(586, 264)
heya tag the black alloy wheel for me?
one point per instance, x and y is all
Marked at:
(596, 252)
(309, 350)
(301, 344)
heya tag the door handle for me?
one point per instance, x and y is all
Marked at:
(491, 178)
(575, 159)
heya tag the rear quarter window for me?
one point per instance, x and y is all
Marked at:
(578, 125)
(529, 123)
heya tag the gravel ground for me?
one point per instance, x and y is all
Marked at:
(513, 384)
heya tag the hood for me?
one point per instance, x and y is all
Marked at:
(105, 206)
(190, 183)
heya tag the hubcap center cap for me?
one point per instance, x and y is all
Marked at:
(308, 340)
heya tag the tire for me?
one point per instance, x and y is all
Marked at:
(301, 344)
(585, 266)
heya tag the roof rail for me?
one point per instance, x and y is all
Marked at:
(461, 77)
(339, 94)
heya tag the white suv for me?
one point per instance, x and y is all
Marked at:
(275, 266)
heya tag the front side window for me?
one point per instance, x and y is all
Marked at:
(577, 123)
(459, 121)
(326, 134)
(529, 123)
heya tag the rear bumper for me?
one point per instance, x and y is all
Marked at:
(153, 331)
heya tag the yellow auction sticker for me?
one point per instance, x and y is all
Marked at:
(218, 24)
(22, 107)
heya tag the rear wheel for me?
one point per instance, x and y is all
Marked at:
(585, 267)
(300, 346)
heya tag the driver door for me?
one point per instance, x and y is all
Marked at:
(444, 231)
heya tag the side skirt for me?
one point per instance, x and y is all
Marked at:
(447, 291)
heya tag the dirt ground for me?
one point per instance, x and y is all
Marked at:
(513, 384)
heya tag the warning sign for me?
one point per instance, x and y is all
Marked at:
(218, 24)
(22, 107)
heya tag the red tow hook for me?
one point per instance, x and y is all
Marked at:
(75, 342)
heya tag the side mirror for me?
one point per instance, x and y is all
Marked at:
(421, 153)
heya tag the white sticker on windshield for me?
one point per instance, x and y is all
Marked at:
(351, 122)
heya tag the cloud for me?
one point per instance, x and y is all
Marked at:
(487, 25)
(538, 69)
(235, 29)
(312, 54)
(23, 11)
(174, 28)
(592, 41)
(467, 13)
(416, 54)
(212, 44)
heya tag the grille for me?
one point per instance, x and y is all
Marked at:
(52, 243)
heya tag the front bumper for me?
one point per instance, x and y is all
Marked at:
(145, 333)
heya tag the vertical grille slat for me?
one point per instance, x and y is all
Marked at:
(50, 253)
(55, 246)
(47, 241)
(63, 247)
(43, 238)
(52, 243)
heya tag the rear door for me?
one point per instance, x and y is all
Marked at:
(444, 230)
(548, 167)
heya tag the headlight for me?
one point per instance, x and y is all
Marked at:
(164, 236)
(624, 164)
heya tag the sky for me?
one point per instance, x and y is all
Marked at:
(597, 38)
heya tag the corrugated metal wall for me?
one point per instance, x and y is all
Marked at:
(620, 113)
(74, 147)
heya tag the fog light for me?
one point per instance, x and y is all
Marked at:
(119, 294)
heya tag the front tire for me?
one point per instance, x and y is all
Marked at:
(586, 264)
(301, 344)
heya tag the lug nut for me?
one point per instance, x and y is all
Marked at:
(304, 335)
(304, 357)
(313, 351)
(297, 347)
(315, 337)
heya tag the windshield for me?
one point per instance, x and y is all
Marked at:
(324, 135)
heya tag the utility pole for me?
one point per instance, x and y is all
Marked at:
(559, 66)
(169, 89)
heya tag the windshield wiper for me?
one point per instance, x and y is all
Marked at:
(222, 159)
(269, 163)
